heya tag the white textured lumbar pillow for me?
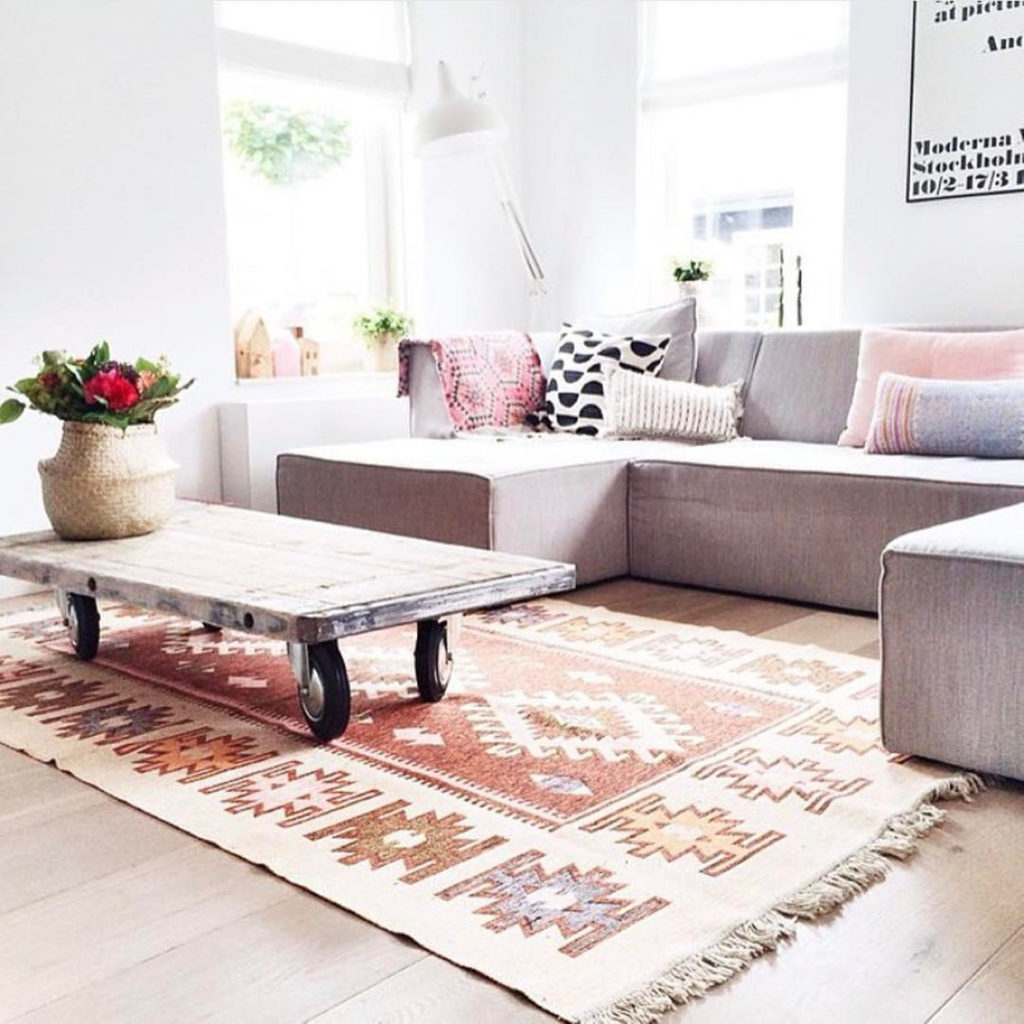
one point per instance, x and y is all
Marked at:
(641, 405)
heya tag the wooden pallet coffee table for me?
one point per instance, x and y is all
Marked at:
(304, 582)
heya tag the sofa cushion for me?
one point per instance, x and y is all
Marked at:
(801, 385)
(787, 519)
(951, 355)
(557, 497)
(948, 417)
(833, 460)
(679, 319)
(725, 356)
(576, 398)
(641, 405)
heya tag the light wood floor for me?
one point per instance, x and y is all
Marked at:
(109, 915)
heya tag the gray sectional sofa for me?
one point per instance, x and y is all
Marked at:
(781, 512)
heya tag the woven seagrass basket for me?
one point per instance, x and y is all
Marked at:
(105, 482)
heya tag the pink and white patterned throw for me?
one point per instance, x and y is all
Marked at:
(489, 380)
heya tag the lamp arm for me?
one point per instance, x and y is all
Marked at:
(506, 195)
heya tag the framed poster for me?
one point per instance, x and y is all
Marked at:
(966, 99)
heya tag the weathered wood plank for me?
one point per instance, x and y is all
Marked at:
(290, 578)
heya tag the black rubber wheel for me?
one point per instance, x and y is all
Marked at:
(212, 627)
(83, 622)
(326, 701)
(433, 660)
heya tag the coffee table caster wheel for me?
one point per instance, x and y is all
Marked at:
(324, 695)
(83, 621)
(433, 660)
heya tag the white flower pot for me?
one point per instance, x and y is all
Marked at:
(380, 355)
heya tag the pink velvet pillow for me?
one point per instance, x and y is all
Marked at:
(982, 355)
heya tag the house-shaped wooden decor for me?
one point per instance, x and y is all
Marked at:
(309, 353)
(253, 356)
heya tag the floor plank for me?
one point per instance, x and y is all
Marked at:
(59, 852)
(907, 943)
(287, 962)
(434, 990)
(869, 650)
(157, 925)
(14, 762)
(173, 898)
(845, 633)
(32, 797)
(995, 994)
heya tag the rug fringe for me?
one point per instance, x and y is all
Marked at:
(694, 976)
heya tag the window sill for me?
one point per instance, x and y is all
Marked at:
(328, 385)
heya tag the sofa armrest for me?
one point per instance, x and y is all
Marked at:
(428, 410)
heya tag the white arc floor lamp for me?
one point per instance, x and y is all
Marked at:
(459, 124)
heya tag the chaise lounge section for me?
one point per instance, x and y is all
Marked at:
(953, 642)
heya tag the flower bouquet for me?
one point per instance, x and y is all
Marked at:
(111, 476)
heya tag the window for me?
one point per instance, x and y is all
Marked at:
(742, 149)
(311, 115)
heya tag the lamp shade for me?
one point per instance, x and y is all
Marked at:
(456, 123)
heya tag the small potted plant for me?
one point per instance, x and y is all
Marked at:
(111, 476)
(690, 275)
(381, 330)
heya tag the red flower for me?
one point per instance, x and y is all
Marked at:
(119, 392)
(49, 380)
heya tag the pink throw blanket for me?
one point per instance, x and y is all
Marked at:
(489, 380)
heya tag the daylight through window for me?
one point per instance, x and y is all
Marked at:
(312, 158)
(742, 150)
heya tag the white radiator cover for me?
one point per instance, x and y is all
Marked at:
(254, 430)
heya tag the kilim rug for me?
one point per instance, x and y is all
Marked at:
(608, 813)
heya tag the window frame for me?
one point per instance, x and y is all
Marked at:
(824, 66)
(389, 81)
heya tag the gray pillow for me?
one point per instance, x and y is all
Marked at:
(677, 319)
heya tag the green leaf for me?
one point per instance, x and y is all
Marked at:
(283, 145)
(11, 410)
(110, 419)
(146, 366)
(25, 384)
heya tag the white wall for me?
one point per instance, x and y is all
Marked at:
(465, 271)
(958, 261)
(111, 221)
(581, 98)
(564, 75)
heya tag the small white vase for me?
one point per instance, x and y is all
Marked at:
(696, 290)
(105, 482)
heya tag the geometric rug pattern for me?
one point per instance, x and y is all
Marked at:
(599, 814)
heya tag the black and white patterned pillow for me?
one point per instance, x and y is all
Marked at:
(575, 399)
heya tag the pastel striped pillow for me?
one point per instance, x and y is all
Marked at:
(923, 416)
(642, 405)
